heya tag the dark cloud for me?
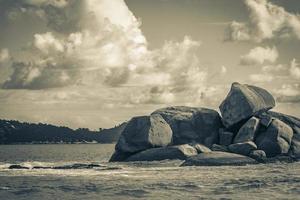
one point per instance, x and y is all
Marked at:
(117, 76)
(31, 76)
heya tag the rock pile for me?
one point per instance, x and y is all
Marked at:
(246, 133)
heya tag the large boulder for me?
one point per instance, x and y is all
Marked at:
(142, 133)
(276, 139)
(294, 123)
(244, 148)
(218, 159)
(189, 124)
(243, 102)
(247, 131)
(180, 152)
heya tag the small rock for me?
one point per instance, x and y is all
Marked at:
(258, 155)
(265, 119)
(201, 148)
(119, 156)
(294, 123)
(225, 137)
(217, 147)
(276, 139)
(17, 167)
(218, 159)
(295, 145)
(247, 131)
(77, 166)
(243, 148)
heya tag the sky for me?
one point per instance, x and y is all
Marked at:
(97, 63)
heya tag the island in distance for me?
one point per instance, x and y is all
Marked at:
(15, 132)
(246, 132)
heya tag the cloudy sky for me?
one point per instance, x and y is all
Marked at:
(97, 63)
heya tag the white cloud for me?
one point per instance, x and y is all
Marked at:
(260, 78)
(288, 93)
(274, 68)
(295, 69)
(237, 32)
(47, 42)
(4, 55)
(260, 55)
(289, 90)
(266, 21)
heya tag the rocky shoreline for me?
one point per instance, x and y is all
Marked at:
(246, 132)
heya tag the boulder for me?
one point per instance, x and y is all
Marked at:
(201, 148)
(243, 102)
(276, 139)
(142, 133)
(119, 156)
(247, 131)
(225, 137)
(295, 145)
(294, 123)
(258, 155)
(218, 159)
(189, 124)
(217, 147)
(242, 148)
(180, 152)
(265, 119)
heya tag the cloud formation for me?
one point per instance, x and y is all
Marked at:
(295, 69)
(287, 76)
(260, 78)
(266, 21)
(260, 55)
(288, 93)
(87, 44)
(103, 42)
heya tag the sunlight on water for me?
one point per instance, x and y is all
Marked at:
(140, 180)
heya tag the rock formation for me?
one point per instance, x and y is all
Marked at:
(245, 133)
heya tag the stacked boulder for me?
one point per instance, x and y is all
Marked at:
(246, 133)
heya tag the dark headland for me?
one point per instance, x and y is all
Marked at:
(15, 132)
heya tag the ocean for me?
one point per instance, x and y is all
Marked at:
(82, 171)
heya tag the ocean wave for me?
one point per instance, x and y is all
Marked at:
(55, 166)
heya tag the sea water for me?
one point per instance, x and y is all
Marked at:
(138, 180)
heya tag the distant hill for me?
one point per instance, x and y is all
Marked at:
(15, 132)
